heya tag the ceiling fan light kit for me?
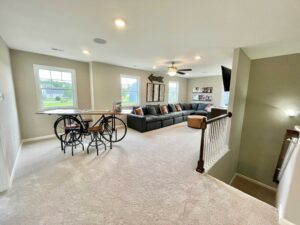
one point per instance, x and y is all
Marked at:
(172, 70)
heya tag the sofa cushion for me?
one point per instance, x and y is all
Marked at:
(186, 106)
(164, 109)
(153, 109)
(151, 118)
(201, 112)
(188, 112)
(175, 114)
(166, 117)
(194, 106)
(172, 108)
(201, 106)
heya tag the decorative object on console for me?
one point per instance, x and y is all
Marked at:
(159, 79)
(155, 92)
(117, 106)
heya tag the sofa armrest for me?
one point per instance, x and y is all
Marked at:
(136, 122)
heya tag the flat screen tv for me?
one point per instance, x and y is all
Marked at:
(226, 74)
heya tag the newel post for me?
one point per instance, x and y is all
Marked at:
(200, 166)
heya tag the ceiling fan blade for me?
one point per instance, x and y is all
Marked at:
(180, 73)
(185, 70)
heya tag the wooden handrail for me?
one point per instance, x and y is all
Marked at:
(200, 167)
(288, 135)
(229, 114)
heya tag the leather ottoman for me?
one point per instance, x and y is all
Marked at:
(195, 121)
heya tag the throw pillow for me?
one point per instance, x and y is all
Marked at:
(186, 106)
(164, 109)
(178, 107)
(152, 110)
(172, 108)
(201, 106)
(194, 106)
(139, 111)
(208, 107)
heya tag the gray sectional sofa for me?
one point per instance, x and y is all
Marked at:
(153, 119)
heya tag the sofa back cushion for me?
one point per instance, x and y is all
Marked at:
(194, 106)
(201, 106)
(186, 106)
(153, 109)
(172, 108)
(178, 107)
(164, 109)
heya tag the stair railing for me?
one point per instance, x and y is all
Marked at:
(213, 141)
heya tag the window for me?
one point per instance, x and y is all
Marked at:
(129, 90)
(173, 92)
(225, 98)
(56, 87)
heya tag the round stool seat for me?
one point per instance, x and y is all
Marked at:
(195, 121)
(95, 129)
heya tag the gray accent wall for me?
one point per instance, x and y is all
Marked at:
(212, 81)
(33, 125)
(10, 138)
(274, 87)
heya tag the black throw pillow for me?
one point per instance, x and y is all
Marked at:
(172, 108)
(152, 109)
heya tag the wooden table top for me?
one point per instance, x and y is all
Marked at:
(83, 112)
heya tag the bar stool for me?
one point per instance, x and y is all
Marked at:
(73, 131)
(96, 139)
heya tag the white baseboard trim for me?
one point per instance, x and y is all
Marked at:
(232, 179)
(15, 165)
(39, 138)
(285, 222)
(255, 181)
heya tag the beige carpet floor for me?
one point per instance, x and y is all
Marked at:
(146, 179)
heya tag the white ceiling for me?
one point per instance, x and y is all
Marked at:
(157, 31)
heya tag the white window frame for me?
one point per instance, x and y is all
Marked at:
(39, 91)
(177, 93)
(223, 102)
(138, 89)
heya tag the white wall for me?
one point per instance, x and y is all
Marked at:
(213, 81)
(107, 84)
(32, 124)
(288, 193)
(10, 139)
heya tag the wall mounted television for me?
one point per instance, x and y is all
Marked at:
(226, 74)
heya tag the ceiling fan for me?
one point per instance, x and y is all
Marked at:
(172, 70)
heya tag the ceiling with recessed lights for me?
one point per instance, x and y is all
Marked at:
(154, 32)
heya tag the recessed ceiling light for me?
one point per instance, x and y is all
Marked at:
(99, 41)
(197, 57)
(120, 23)
(86, 52)
(154, 67)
